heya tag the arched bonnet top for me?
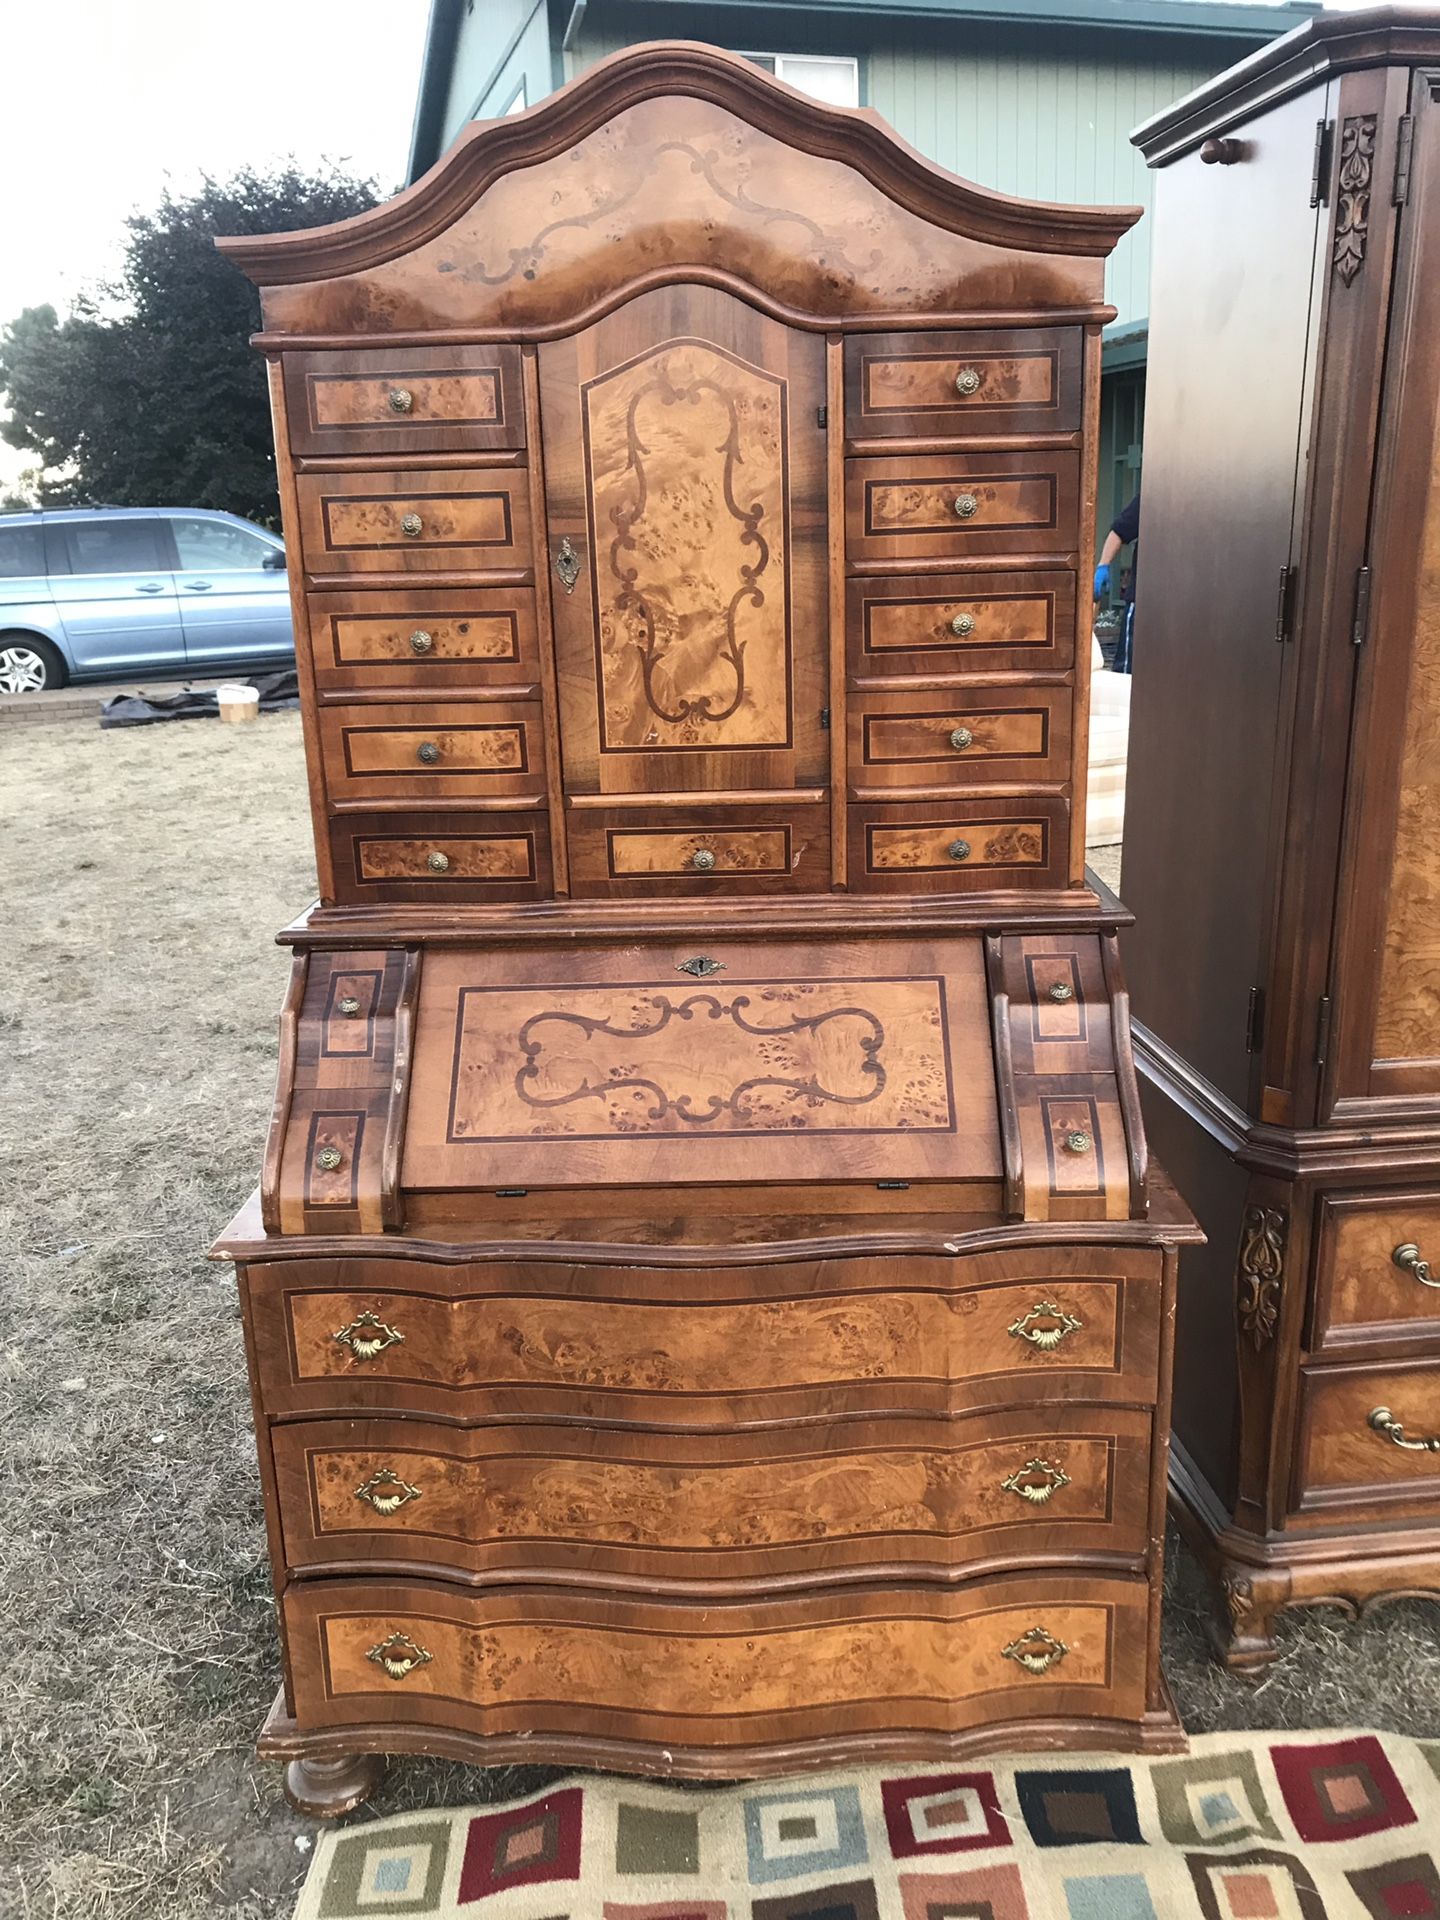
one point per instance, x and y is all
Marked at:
(677, 161)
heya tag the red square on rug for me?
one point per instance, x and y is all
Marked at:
(1341, 1789)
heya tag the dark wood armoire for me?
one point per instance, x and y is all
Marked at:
(708, 1304)
(1282, 843)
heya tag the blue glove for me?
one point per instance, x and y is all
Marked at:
(1102, 579)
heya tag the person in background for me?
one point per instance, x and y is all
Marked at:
(1126, 529)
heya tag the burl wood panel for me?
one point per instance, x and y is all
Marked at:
(1010, 735)
(946, 627)
(405, 400)
(648, 854)
(474, 637)
(1059, 1004)
(871, 1060)
(1340, 1460)
(1362, 1296)
(418, 858)
(462, 521)
(938, 505)
(722, 1675)
(905, 385)
(715, 1348)
(684, 464)
(429, 750)
(917, 847)
(713, 1507)
(1073, 1146)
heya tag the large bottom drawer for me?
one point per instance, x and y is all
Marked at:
(669, 1509)
(718, 1676)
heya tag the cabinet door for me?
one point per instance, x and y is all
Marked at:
(685, 491)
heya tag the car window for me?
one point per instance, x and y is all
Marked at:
(217, 546)
(112, 546)
(22, 551)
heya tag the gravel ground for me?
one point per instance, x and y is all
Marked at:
(144, 872)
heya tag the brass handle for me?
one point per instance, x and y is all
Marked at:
(420, 641)
(1078, 1142)
(1037, 1481)
(386, 1492)
(1045, 1325)
(959, 850)
(350, 1008)
(1408, 1258)
(399, 1656)
(702, 859)
(427, 752)
(401, 399)
(1062, 991)
(962, 738)
(962, 624)
(567, 565)
(329, 1158)
(1037, 1651)
(967, 505)
(438, 862)
(967, 380)
(412, 526)
(368, 1336)
(1383, 1421)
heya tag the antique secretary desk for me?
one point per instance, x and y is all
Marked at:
(708, 1307)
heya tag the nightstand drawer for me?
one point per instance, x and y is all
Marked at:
(425, 521)
(1375, 1285)
(700, 851)
(947, 626)
(993, 734)
(468, 636)
(1369, 1437)
(405, 400)
(420, 858)
(457, 751)
(934, 846)
(910, 385)
(924, 506)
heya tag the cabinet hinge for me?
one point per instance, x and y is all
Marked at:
(1404, 150)
(1322, 1032)
(1255, 1020)
(1360, 626)
(822, 416)
(1285, 603)
(1320, 167)
(824, 719)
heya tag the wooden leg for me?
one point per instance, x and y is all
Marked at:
(1252, 1602)
(326, 1788)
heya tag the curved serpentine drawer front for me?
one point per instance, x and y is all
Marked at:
(862, 1661)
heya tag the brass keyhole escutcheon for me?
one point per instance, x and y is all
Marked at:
(567, 564)
(1078, 1142)
(702, 860)
(959, 850)
(401, 399)
(962, 624)
(420, 641)
(329, 1158)
(438, 862)
(962, 738)
(412, 526)
(427, 752)
(967, 505)
(350, 1008)
(1062, 991)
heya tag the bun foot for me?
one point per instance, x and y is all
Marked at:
(326, 1788)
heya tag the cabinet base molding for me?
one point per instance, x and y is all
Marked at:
(323, 1786)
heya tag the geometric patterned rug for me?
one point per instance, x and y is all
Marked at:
(1245, 1827)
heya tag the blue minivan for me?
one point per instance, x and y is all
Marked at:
(89, 593)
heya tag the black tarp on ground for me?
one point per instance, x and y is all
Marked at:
(277, 691)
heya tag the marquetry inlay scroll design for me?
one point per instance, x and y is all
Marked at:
(1352, 218)
(1261, 1271)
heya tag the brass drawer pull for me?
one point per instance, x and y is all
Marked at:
(367, 1336)
(959, 849)
(962, 738)
(967, 505)
(329, 1158)
(399, 1656)
(421, 641)
(438, 862)
(1037, 1481)
(967, 381)
(1045, 1325)
(1036, 1650)
(427, 753)
(349, 1007)
(1062, 991)
(1078, 1142)
(401, 399)
(1408, 1258)
(1383, 1421)
(386, 1492)
(962, 624)
(411, 525)
(702, 860)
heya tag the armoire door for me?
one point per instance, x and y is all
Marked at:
(686, 528)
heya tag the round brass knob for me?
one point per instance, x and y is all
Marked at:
(329, 1158)
(967, 505)
(702, 859)
(962, 624)
(401, 399)
(350, 1008)
(961, 738)
(1062, 991)
(420, 641)
(967, 380)
(438, 862)
(1077, 1142)
(427, 753)
(959, 849)
(412, 526)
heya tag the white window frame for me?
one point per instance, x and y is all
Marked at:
(780, 61)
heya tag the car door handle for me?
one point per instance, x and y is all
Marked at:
(196, 586)
(150, 586)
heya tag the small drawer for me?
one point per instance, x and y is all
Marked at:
(912, 385)
(418, 858)
(619, 851)
(986, 735)
(923, 506)
(405, 400)
(1369, 1437)
(427, 521)
(480, 636)
(419, 751)
(1375, 1285)
(945, 627)
(932, 847)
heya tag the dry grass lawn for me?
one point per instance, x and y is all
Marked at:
(143, 874)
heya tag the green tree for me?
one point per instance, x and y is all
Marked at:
(149, 393)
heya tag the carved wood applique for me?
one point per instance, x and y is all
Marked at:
(1352, 221)
(1262, 1267)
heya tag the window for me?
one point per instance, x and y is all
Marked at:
(22, 551)
(214, 546)
(833, 78)
(112, 546)
(518, 104)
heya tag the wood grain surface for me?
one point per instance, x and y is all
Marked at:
(405, 400)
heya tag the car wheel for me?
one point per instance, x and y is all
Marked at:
(29, 664)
